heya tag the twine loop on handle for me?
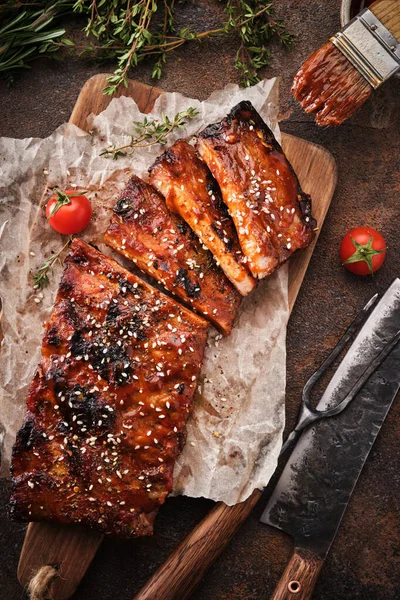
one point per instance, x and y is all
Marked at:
(39, 585)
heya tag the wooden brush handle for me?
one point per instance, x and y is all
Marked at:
(299, 578)
(185, 567)
(388, 12)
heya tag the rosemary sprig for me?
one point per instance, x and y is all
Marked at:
(28, 33)
(41, 277)
(150, 132)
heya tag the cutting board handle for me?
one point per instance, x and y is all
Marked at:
(68, 548)
(185, 567)
(299, 578)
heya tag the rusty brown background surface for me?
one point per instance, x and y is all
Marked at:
(364, 562)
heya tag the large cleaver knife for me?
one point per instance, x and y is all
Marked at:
(315, 487)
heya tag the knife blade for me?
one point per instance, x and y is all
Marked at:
(316, 484)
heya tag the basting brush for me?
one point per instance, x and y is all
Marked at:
(339, 77)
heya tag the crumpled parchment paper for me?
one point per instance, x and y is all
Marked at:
(234, 434)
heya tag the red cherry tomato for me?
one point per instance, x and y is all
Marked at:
(68, 211)
(362, 250)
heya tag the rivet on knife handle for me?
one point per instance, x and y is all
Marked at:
(299, 578)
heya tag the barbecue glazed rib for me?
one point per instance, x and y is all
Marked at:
(191, 192)
(271, 213)
(107, 407)
(162, 245)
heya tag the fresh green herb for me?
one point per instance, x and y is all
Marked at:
(256, 26)
(41, 277)
(150, 132)
(130, 32)
(252, 21)
(63, 198)
(28, 33)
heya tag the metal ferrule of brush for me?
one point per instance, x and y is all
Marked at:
(370, 48)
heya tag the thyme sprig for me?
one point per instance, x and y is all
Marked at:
(149, 132)
(256, 26)
(129, 32)
(252, 21)
(41, 278)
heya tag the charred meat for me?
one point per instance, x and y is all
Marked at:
(108, 404)
(162, 245)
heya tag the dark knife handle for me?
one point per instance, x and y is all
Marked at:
(186, 566)
(300, 576)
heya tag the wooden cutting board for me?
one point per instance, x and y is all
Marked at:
(72, 548)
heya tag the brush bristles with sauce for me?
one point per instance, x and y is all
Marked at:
(339, 77)
(328, 85)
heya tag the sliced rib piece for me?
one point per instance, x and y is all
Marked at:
(191, 192)
(271, 213)
(107, 407)
(162, 245)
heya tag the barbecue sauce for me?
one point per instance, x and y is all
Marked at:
(328, 85)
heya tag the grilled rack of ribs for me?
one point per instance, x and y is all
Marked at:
(162, 245)
(271, 213)
(108, 404)
(191, 192)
